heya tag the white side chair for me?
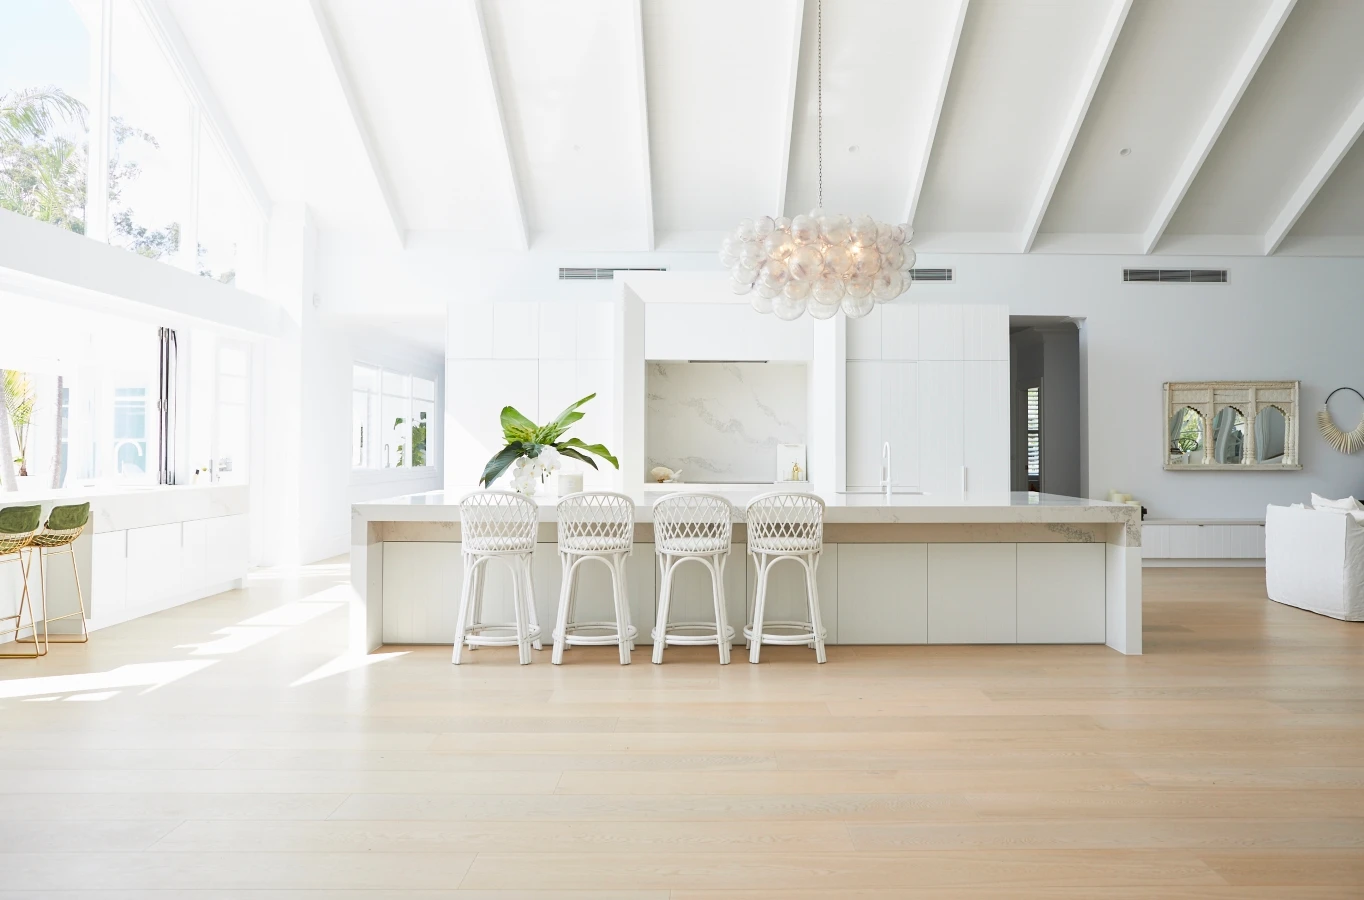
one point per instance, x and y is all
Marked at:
(691, 527)
(785, 526)
(594, 525)
(497, 525)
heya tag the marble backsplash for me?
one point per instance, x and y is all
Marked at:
(722, 422)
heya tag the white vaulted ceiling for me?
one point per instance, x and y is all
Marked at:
(1122, 126)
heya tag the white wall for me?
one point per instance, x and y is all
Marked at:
(1279, 317)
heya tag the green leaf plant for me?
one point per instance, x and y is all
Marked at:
(525, 438)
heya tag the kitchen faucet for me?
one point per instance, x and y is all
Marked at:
(885, 467)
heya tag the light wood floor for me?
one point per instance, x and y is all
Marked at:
(217, 750)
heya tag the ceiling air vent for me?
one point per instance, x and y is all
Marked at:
(574, 274)
(1176, 276)
(930, 274)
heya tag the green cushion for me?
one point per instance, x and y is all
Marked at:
(20, 519)
(66, 518)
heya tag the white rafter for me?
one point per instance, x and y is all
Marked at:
(1335, 151)
(1089, 83)
(351, 103)
(789, 120)
(920, 166)
(490, 88)
(1245, 70)
(214, 119)
(641, 85)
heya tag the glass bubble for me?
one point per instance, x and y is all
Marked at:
(783, 223)
(828, 289)
(741, 287)
(910, 258)
(797, 290)
(858, 286)
(838, 260)
(762, 226)
(751, 254)
(741, 272)
(774, 274)
(897, 234)
(894, 258)
(857, 307)
(778, 245)
(745, 231)
(905, 282)
(909, 232)
(822, 310)
(817, 213)
(760, 302)
(883, 241)
(887, 285)
(787, 308)
(766, 291)
(864, 231)
(728, 259)
(804, 229)
(806, 263)
(867, 261)
(834, 229)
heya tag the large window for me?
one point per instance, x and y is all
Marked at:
(391, 417)
(231, 432)
(44, 110)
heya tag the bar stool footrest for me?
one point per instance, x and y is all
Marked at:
(791, 632)
(692, 634)
(594, 634)
(496, 635)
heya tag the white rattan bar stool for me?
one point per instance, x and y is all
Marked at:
(691, 527)
(594, 525)
(497, 525)
(785, 526)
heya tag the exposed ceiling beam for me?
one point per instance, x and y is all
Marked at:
(920, 165)
(488, 83)
(1240, 79)
(1089, 83)
(351, 103)
(789, 119)
(166, 31)
(1335, 151)
(641, 86)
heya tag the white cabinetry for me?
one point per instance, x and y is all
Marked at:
(1194, 540)
(972, 593)
(227, 549)
(153, 565)
(883, 406)
(1061, 593)
(883, 593)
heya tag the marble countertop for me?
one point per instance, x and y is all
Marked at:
(969, 508)
(120, 507)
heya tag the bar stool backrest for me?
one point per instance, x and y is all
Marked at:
(17, 526)
(497, 522)
(596, 520)
(64, 524)
(691, 522)
(785, 521)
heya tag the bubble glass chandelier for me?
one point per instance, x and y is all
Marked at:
(818, 262)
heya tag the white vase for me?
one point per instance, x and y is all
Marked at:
(28, 482)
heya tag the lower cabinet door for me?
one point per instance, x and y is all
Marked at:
(972, 594)
(1061, 593)
(882, 593)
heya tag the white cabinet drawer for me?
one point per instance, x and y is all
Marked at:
(972, 593)
(1211, 541)
(1061, 593)
(882, 593)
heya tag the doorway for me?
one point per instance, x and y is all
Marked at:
(1046, 421)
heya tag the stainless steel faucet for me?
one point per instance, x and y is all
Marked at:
(885, 468)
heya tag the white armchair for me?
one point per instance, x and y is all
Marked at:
(1314, 560)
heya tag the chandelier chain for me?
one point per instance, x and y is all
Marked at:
(819, 94)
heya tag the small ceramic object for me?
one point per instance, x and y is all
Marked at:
(570, 483)
(663, 474)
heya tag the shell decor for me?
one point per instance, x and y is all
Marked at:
(1344, 441)
(663, 474)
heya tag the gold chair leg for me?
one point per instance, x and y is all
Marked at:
(24, 600)
(49, 639)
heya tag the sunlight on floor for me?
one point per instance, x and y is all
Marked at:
(148, 675)
(347, 663)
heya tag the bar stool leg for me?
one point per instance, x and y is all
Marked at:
(519, 608)
(625, 600)
(24, 600)
(759, 600)
(716, 565)
(816, 625)
(465, 604)
(565, 600)
(622, 614)
(530, 601)
(664, 600)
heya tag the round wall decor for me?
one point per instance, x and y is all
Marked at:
(1344, 441)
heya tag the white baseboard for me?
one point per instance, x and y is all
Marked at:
(1203, 563)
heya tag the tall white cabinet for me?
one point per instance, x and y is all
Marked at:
(933, 381)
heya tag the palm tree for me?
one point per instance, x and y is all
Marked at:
(32, 112)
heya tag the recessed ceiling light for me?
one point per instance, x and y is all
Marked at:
(852, 148)
(1125, 151)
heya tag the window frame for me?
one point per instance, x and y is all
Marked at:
(369, 450)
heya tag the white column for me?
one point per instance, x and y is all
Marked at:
(97, 159)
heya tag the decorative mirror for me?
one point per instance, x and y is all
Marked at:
(1232, 426)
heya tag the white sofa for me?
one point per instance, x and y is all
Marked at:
(1314, 560)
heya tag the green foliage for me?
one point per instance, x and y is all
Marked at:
(525, 438)
(19, 399)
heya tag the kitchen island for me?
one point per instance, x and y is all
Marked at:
(987, 568)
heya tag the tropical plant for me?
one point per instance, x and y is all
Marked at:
(525, 438)
(19, 399)
(33, 112)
